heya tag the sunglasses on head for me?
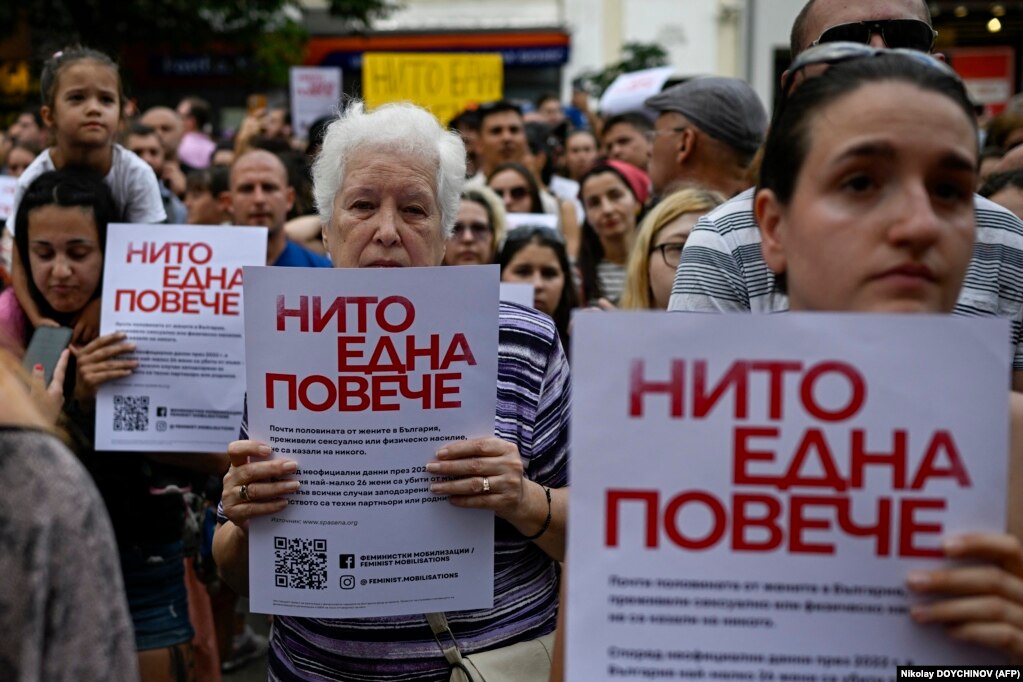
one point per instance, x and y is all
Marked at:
(830, 54)
(906, 34)
(524, 232)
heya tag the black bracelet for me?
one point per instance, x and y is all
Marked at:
(547, 521)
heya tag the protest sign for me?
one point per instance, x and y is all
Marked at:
(361, 375)
(628, 91)
(517, 293)
(755, 489)
(315, 92)
(517, 220)
(176, 291)
(443, 83)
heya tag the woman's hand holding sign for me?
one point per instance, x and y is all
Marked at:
(487, 473)
(982, 602)
(253, 485)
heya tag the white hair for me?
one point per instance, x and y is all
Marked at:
(401, 128)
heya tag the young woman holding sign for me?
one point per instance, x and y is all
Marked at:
(865, 203)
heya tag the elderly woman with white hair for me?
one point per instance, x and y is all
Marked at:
(387, 187)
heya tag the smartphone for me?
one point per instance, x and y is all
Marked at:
(45, 348)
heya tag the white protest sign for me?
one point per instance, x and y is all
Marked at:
(8, 187)
(756, 488)
(628, 91)
(516, 220)
(361, 375)
(514, 292)
(315, 92)
(176, 291)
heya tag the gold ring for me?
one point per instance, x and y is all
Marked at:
(244, 493)
(486, 484)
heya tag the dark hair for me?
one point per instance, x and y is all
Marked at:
(317, 129)
(637, 121)
(34, 113)
(788, 139)
(535, 205)
(71, 186)
(799, 41)
(70, 55)
(142, 130)
(999, 181)
(214, 180)
(545, 97)
(523, 236)
(499, 107)
(591, 251)
(200, 110)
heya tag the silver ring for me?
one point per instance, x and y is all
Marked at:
(486, 484)
(244, 493)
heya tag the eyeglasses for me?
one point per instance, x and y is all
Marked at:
(836, 53)
(667, 131)
(908, 34)
(670, 252)
(477, 230)
(515, 193)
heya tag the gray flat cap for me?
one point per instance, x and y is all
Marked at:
(727, 109)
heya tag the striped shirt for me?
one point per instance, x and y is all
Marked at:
(532, 413)
(611, 279)
(723, 270)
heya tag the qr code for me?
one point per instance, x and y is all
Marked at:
(131, 412)
(300, 563)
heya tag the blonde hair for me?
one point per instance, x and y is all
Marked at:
(492, 204)
(637, 294)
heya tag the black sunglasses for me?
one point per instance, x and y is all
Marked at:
(516, 193)
(836, 53)
(906, 34)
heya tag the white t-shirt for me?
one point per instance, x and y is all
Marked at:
(131, 180)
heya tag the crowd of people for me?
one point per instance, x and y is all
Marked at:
(871, 189)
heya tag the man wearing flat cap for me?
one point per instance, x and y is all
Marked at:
(706, 134)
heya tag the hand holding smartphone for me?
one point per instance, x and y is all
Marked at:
(45, 348)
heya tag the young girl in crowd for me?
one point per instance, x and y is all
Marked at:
(659, 242)
(613, 195)
(83, 102)
(537, 256)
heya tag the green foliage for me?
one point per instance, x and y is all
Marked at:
(635, 57)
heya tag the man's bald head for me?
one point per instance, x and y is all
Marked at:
(818, 15)
(259, 191)
(168, 125)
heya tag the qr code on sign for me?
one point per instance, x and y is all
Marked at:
(131, 412)
(300, 563)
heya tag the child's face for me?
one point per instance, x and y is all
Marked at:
(86, 106)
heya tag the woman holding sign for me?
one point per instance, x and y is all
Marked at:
(865, 203)
(61, 235)
(387, 186)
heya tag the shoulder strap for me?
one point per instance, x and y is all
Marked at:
(439, 625)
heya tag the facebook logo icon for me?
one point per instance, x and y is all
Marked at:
(346, 560)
